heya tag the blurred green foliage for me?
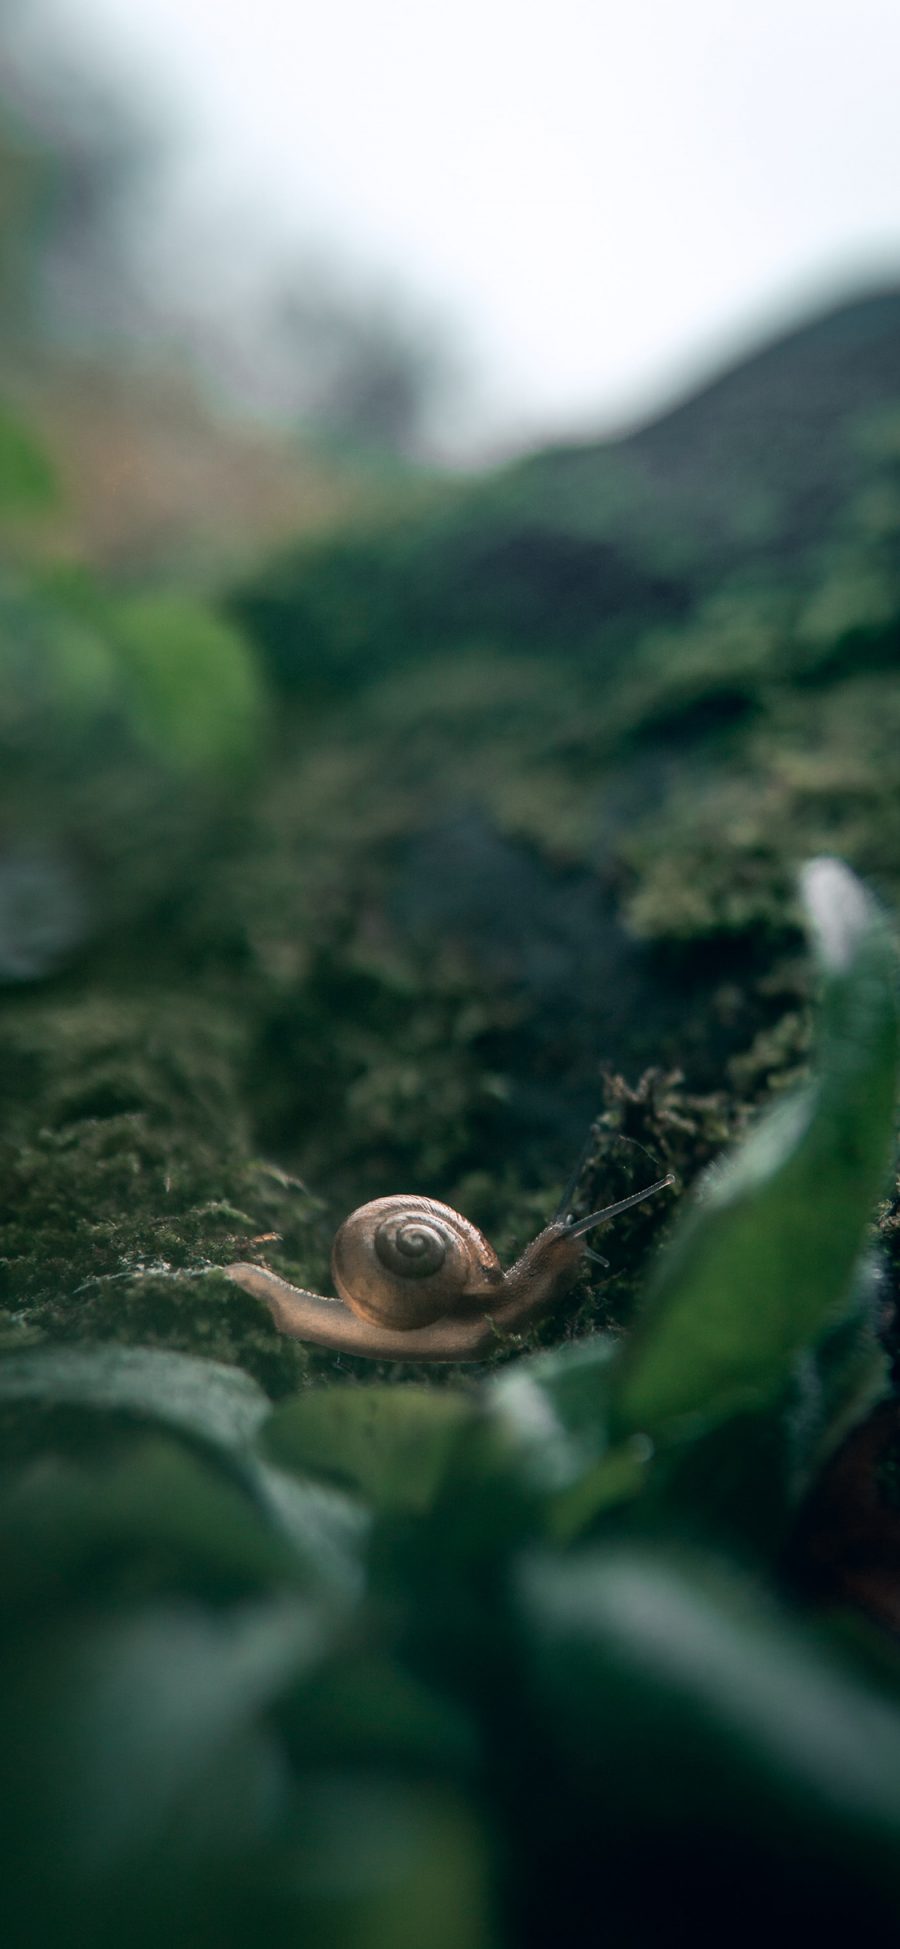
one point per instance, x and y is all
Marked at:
(27, 481)
(192, 690)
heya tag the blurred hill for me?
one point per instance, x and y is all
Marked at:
(754, 478)
(758, 465)
(754, 475)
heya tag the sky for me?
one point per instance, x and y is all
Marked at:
(601, 200)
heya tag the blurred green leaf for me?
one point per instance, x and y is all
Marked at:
(744, 1478)
(393, 1444)
(836, 1382)
(154, 1519)
(218, 1407)
(360, 1707)
(484, 1471)
(684, 1700)
(765, 1260)
(82, 673)
(119, 1739)
(209, 1404)
(213, 1404)
(53, 657)
(384, 1863)
(28, 483)
(544, 1447)
(327, 1528)
(552, 1409)
(194, 694)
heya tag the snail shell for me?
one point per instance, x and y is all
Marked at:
(405, 1261)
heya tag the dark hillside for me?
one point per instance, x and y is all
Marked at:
(760, 462)
(579, 549)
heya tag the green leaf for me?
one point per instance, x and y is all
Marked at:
(545, 1439)
(52, 658)
(28, 483)
(326, 1528)
(684, 1702)
(744, 1478)
(392, 1444)
(482, 1471)
(155, 1519)
(194, 694)
(836, 1383)
(216, 1405)
(362, 1708)
(137, 1760)
(552, 1410)
(765, 1260)
(380, 1862)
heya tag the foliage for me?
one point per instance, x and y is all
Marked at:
(192, 689)
(396, 1664)
(27, 483)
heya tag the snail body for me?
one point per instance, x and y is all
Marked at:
(417, 1281)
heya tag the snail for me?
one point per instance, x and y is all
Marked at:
(417, 1281)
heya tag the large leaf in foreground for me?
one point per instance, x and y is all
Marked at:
(216, 1407)
(689, 1705)
(155, 1517)
(137, 1764)
(391, 1443)
(214, 1404)
(766, 1259)
(379, 1861)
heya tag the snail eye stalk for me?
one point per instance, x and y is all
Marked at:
(582, 1225)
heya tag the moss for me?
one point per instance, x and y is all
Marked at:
(385, 990)
(644, 1130)
(197, 1313)
(464, 885)
(818, 774)
(129, 1172)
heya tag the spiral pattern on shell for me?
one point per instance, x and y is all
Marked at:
(415, 1248)
(404, 1261)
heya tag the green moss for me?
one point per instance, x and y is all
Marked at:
(505, 838)
(129, 1173)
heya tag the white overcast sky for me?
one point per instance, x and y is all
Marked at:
(599, 194)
